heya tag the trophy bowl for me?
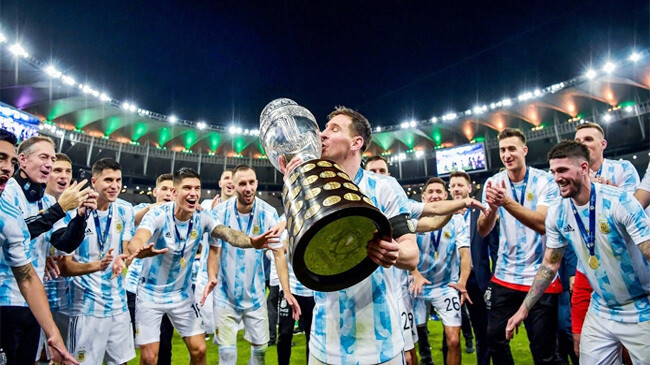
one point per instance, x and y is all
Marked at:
(329, 220)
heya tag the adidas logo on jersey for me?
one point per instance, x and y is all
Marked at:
(88, 232)
(568, 228)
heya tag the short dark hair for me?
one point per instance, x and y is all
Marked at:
(462, 174)
(590, 125)
(7, 136)
(376, 158)
(242, 167)
(164, 177)
(569, 149)
(224, 171)
(185, 173)
(512, 132)
(63, 157)
(435, 180)
(105, 164)
(360, 125)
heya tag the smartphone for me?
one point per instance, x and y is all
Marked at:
(84, 175)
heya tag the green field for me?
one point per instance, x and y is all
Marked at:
(519, 347)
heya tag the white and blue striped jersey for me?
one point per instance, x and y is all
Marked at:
(58, 289)
(444, 269)
(361, 324)
(621, 282)
(240, 280)
(95, 294)
(135, 268)
(415, 208)
(37, 248)
(622, 174)
(521, 249)
(14, 238)
(164, 278)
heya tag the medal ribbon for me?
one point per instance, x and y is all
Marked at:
(588, 236)
(436, 240)
(102, 238)
(178, 234)
(250, 220)
(523, 193)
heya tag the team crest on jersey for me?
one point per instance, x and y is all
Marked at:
(81, 355)
(194, 234)
(256, 230)
(604, 227)
(409, 223)
(137, 330)
(168, 234)
(447, 234)
(530, 196)
(119, 226)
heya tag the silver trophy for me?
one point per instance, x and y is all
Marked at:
(329, 221)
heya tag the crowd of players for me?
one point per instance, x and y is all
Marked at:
(566, 252)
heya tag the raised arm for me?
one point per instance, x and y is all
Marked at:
(232, 236)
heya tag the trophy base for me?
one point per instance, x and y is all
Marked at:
(332, 252)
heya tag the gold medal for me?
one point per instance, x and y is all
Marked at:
(593, 262)
(183, 262)
(435, 255)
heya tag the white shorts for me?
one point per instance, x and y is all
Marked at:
(185, 317)
(93, 340)
(601, 339)
(397, 360)
(207, 310)
(445, 301)
(407, 321)
(256, 326)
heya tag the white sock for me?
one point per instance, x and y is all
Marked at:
(228, 355)
(258, 353)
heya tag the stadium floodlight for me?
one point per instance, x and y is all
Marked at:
(2, 38)
(506, 102)
(104, 97)
(378, 129)
(609, 67)
(132, 108)
(232, 129)
(68, 80)
(172, 119)
(537, 92)
(591, 73)
(402, 156)
(126, 105)
(419, 154)
(607, 117)
(634, 57)
(53, 72)
(629, 109)
(18, 50)
(404, 125)
(449, 116)
(201, 125)
(413, 124)
(434, 120)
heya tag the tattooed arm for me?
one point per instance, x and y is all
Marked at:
(32, 290)
(234, 237)
(545, 275)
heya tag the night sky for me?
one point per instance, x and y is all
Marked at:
(223, 61)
